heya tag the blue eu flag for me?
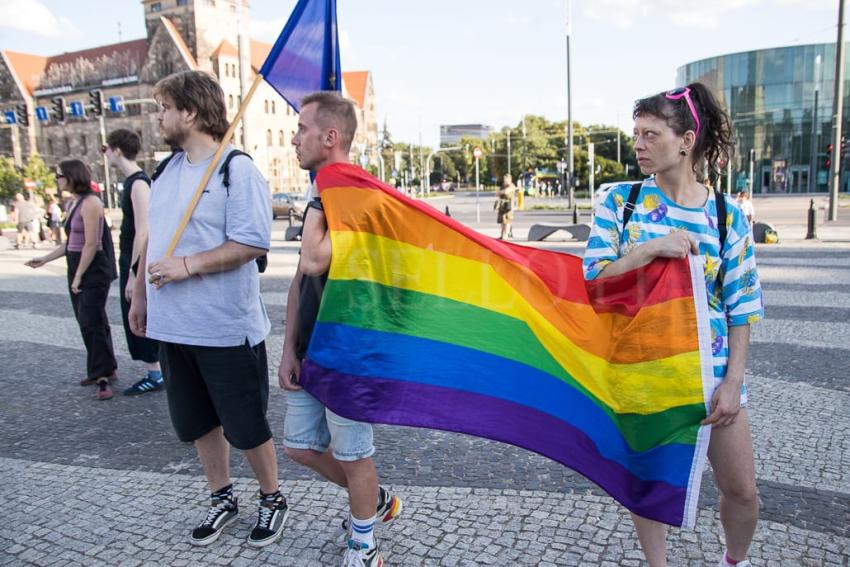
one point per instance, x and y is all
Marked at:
(305, 57)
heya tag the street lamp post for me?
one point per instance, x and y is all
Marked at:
(477, 154)
(813, 167)
(838, 111)
(570, 165)
(752, 169)
(509, 152)
(428, 162)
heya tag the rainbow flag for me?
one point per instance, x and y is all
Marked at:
(427, 323)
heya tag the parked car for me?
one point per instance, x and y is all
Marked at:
(282, 203)
(602, 191)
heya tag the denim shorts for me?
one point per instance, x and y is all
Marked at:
(310, 425)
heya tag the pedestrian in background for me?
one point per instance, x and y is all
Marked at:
(91, 269)
(746, 203)
(505, 207)
(670, 216)
(23, 213)
(121, 148)
(54, 221)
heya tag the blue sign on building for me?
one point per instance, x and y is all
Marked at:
(77, 109)
(10, 116)
(116, 104)
(41, 113)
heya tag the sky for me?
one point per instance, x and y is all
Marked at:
(482, 61)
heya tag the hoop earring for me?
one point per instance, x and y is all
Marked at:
(683, 152)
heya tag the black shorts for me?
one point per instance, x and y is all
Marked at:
(209, 387)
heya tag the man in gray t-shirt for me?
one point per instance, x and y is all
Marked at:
(204, 305)
(24, 214)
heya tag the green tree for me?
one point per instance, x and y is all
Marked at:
(38, 171)
(11, 181)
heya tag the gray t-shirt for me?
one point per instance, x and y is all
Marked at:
(26, 211)
(222, 309)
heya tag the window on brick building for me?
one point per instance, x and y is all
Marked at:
(281, 138)
(273, 107)
(50, 147)
(268, 137)
(266, 106)
(229, 101)
(182, 2)
(156, 7)
(84, 146)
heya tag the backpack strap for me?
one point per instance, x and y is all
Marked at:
(160, 167)
(224, 170)
(720, 202)
(629, 207)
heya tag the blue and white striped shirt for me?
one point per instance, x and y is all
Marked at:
(734, 292)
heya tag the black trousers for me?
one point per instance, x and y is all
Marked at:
(141, 348)
(90, 312)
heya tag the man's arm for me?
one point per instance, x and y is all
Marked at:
(138, 315)
(228, 256)
(315, 243)
(290, 367)
(139, 197)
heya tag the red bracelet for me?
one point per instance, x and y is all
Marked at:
(186, 266)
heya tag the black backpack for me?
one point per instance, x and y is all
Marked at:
(719, 201)
(224, 171)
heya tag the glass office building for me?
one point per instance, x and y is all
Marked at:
(780, 103)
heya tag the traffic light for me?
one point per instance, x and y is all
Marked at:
(845, 148)
(828, 161)
(58, 108)
(21, 115)
(96, 102)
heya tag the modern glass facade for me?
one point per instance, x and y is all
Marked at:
(780, 103)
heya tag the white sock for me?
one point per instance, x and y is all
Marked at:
(363, 531)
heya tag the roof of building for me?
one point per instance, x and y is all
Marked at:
(259, 52)
(225, 48)
(355, 84)
(29, 68)
(137, 49)
(26, 67)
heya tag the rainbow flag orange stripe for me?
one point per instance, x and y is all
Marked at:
(427, 323)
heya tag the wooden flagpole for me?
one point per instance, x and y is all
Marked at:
(211, 168)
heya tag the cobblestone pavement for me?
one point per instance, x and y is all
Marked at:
(107, 483)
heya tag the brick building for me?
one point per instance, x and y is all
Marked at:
(206, 35)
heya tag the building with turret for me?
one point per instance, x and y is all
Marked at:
(206, 35)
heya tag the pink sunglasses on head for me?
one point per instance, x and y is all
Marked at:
(684, 92)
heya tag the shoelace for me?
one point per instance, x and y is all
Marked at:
(352, 558)
(214, 512)
(265, 518)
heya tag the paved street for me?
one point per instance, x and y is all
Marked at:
(107, 483)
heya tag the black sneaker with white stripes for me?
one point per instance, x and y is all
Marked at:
(271, 516)
(221, 513)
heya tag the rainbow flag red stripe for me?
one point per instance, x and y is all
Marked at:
(427, 323)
